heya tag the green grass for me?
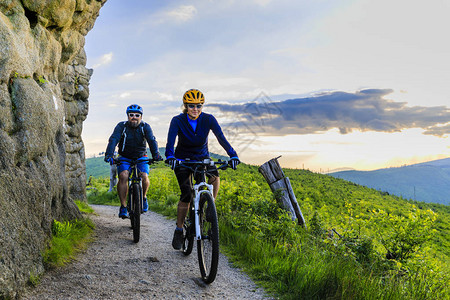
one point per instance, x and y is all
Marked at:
(68, 238)
(307, 271)
(293, 263)
(99, 194)
(34, 280)
(84, 207)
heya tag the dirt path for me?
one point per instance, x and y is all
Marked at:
(114, 267)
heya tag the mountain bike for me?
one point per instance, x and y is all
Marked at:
(135, 197)
(201, 223)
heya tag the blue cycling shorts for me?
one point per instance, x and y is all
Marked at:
(125, 164)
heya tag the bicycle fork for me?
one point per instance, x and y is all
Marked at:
(198, 192)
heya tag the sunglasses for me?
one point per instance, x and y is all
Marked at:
(134, 115)
(195, 105)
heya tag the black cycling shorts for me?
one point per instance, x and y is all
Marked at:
(184, 177)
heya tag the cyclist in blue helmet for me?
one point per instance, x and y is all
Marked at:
(131, 136)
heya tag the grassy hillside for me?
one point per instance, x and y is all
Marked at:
(428, 182)
(360, 243)
(97, 167)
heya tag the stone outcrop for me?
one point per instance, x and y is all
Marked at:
(43, 102)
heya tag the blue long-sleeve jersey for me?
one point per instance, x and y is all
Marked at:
(132, 141)
(193, 144)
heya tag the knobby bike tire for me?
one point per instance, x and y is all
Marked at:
(130, 207)
(189, 232)
(135, 215)
(208, 246)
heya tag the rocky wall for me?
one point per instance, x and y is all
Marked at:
(43, 103)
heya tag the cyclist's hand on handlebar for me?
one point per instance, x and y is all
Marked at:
(233, 162)
(109, 159)
(172, 162)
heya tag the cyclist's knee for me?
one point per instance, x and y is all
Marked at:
(185, 197)
(183, 204)
(214, 180)
(123, 175)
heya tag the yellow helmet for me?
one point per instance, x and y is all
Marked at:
(193, 96)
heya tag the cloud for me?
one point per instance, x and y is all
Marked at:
(262, 2)
(128, 75)
(105, 59)
(164, 96)
(125, 95)
(163, 20)
(182, 13)
(364, 110)
(438, 130)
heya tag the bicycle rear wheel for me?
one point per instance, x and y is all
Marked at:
(208, 246)
(135, 214)
(189, 232)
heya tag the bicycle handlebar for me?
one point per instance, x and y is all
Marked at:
(206, 162)
(135, 161)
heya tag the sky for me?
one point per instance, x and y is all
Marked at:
(325, 84)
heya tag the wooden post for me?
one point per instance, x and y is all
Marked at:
(274, 176)
(283, 197)
(298, 212)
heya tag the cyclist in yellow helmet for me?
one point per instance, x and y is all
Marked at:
(192, 128)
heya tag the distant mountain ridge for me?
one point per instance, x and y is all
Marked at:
(445, 162)
(427, 182)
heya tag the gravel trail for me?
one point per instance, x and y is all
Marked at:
(113, 267)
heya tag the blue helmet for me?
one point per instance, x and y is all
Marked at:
(134, 108)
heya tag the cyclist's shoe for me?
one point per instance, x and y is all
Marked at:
(177, 241)
(123, 212)
(209, 213)
(145, 205)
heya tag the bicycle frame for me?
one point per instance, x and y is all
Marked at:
(134, 177)
(199, 189)
(197, 193)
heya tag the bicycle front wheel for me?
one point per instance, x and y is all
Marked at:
(208, 246)
(189, 232)
(135, 214)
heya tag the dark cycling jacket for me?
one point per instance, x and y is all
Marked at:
(132, 141)
(194, 144)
